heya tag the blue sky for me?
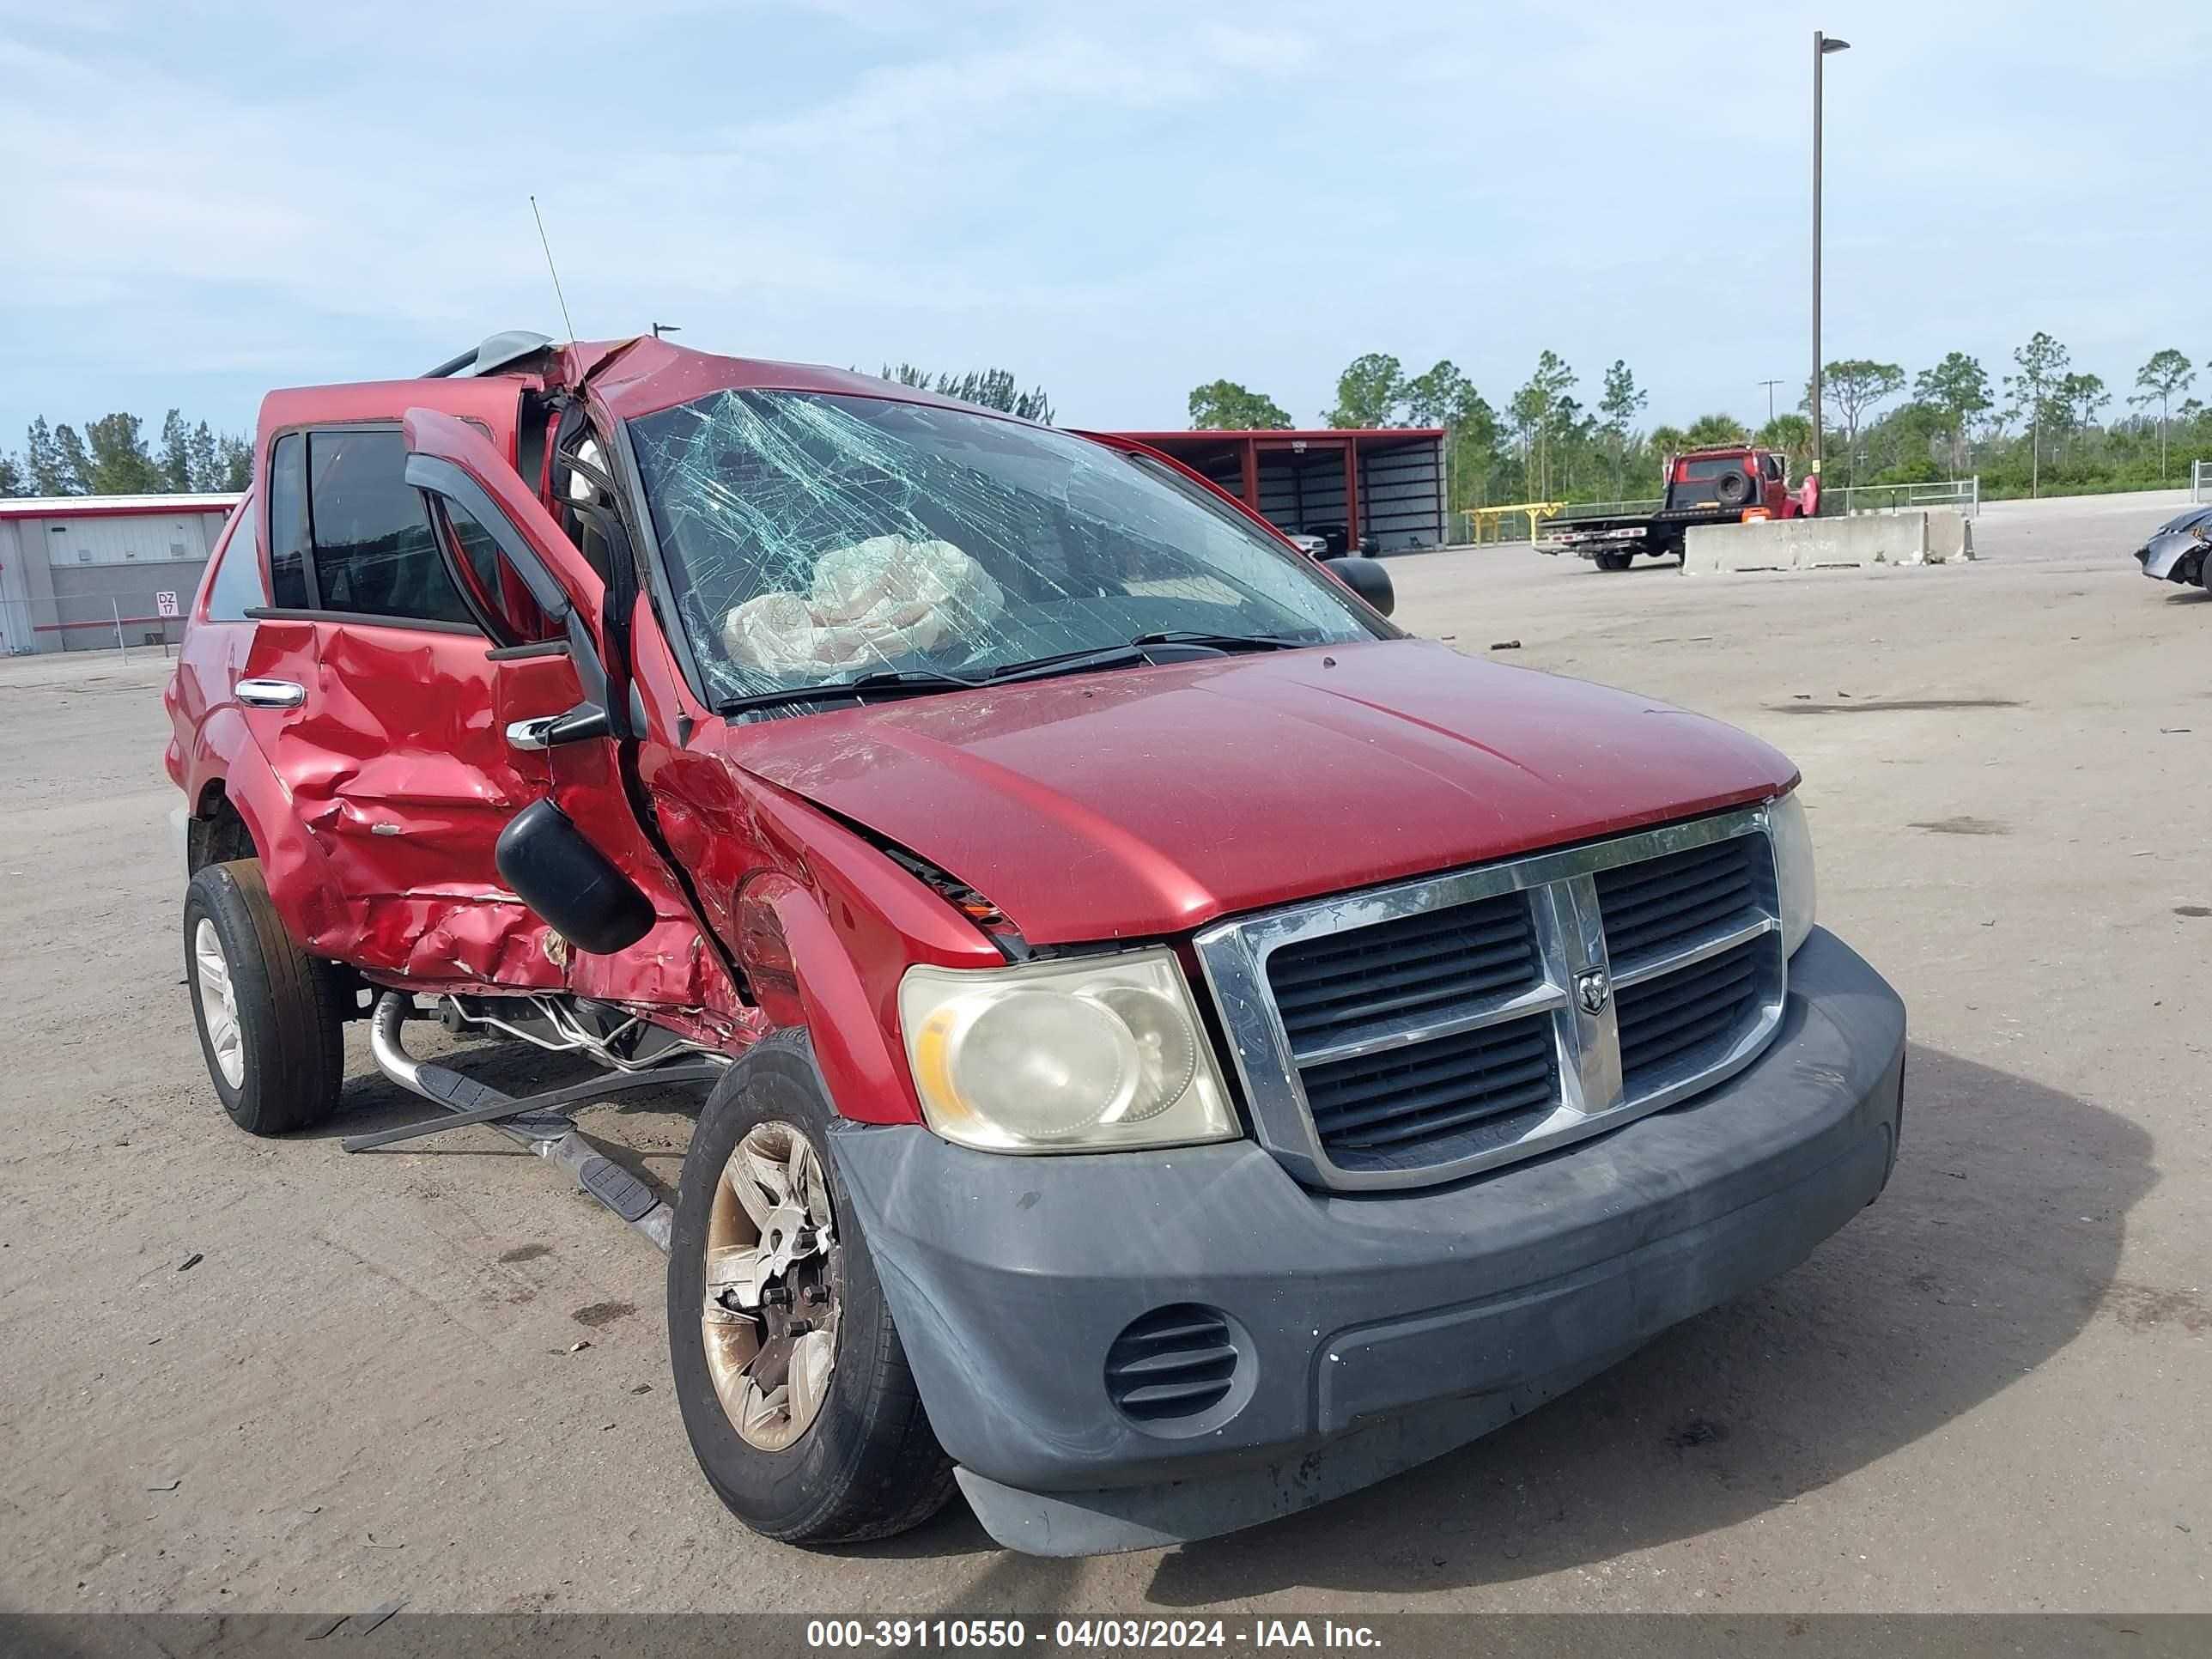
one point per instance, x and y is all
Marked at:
(1119, 202)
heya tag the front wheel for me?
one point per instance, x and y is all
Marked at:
(267, 1012)
(795, 1392)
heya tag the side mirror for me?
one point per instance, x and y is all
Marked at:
(552, 868)
(1367, 578)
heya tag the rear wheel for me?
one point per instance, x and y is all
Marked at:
(267, 1012)
(795, 1391)
(1614, 560)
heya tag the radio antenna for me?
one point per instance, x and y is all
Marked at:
(550, 270)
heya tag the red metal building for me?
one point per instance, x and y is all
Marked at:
(1388, 481)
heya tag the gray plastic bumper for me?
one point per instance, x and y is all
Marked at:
(1376, 1332)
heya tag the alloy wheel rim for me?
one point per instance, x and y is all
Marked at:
(218, 1004)
(774, 1279)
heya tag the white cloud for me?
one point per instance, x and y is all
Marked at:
(1120, 201)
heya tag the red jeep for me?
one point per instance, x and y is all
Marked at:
(1175, 1048)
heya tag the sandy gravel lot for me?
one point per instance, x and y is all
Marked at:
(1988, 1391)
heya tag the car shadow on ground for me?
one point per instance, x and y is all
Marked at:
(1997, 1241)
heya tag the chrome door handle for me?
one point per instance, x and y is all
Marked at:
(530, 734)
(270, 694)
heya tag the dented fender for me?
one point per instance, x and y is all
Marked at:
(822, 924)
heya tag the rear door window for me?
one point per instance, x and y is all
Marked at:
(237, 583)
(347, 533)
(287, 525)
(375, 552)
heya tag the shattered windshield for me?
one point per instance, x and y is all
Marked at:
(811, 540)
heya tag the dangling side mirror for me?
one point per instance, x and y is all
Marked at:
(1367, 578)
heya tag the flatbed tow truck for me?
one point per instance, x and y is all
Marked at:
(1730, 483)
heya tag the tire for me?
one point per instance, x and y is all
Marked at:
(1734, 488)
(867, 1464)
(1614, 560)
(283, 1065)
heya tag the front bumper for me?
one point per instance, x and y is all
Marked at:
(2174, 556)
(1376, 1332)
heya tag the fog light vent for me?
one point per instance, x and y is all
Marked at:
(1173, 1363)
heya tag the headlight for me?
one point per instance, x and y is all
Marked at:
(1081, 1055)
(1793, 869)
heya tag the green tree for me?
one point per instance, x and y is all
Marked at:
(1443, 396)
(49, 471)
(2079, 400)
(12, 479)
(201, 467)
(234, 463)
(1440, 396)
(2042, 365)
(1622, 402)
(995, 388)
(992, 388)
(1708, 431)
(120, 463)
(176, 454)
(2167, 375)
(1958, 387)
(1535, 412)
(76, 462)
(1901, 448)
(1370, 391)
(1856, 384)
(1226, 406)
(1793, 435)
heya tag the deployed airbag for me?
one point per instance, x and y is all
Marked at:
(886, 597)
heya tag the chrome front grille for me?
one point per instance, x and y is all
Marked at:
(1657, 904)
(1675, 1020)
(1335, 988)
(1393, 1110)
(1423, 1032)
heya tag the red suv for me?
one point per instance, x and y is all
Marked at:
(1175, 1046)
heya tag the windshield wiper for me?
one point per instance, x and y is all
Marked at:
(914, 682)
(894, 682)
(1069, 662)
(1219, 641)
(1121, 656)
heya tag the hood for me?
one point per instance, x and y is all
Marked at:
(1148, 801)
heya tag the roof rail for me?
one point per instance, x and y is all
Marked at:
(497, 352)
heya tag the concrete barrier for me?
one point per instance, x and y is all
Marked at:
(1936, 534)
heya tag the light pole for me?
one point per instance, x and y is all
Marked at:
(1769, 386)
(1822, 46)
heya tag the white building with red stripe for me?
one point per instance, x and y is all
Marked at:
(76, 571)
